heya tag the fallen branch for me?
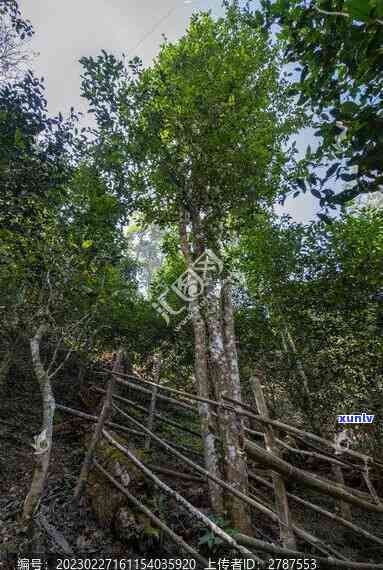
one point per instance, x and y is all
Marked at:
(314, 454)
(181, 393)
(325, 562)
(250, 501)
(290, 472)
(157, 415)
(119, 427)
(91, 418)
(160, 396)
(249, 412)
(178, 540)
(172, 493)
(104, 416)
(175, 474)
(347, 524)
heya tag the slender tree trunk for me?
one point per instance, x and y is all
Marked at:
(281, 501)
(153, 401)
(43, 443)
(224, 360)
(345, 508)
(204, 388)
(290, 347)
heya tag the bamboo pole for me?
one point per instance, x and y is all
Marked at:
(281, 502)
(188, 506)
(178, 540)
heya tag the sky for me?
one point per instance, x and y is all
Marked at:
(66, 30)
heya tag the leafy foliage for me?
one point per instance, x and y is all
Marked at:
(337, 45)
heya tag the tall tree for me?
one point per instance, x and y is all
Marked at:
(202, 135)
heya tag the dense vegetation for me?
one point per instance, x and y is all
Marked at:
(186, 157)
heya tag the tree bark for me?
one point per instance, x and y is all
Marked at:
(224, 360)
(281, 502)
(43, 443)
(203, 385)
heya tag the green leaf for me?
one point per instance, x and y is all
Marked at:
(331, 171)
(316, 193)
(87, 244)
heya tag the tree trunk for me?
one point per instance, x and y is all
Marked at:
(281, 502)
(224, 359)
(203, 386)
(43, 443)
(153, 401)
(345, 508)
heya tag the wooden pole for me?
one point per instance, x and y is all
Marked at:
(152, 408)
(295, 474)
(155, 520)
(347, 524)
(281, 501)
(157, 415)
(104, 416)
(188, 506)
